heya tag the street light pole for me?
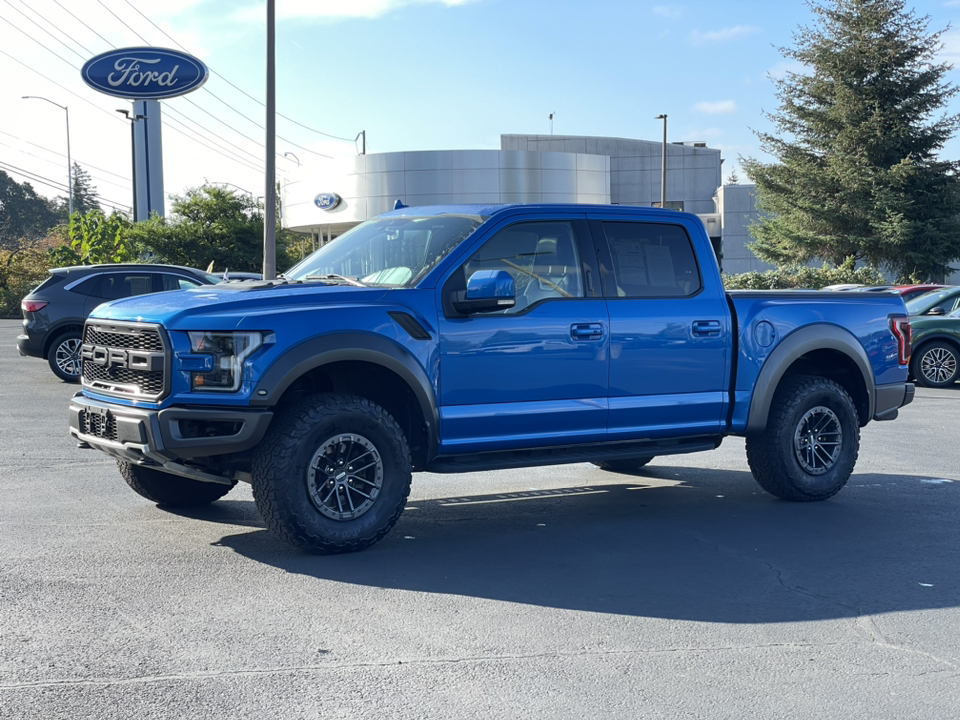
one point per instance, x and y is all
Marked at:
(69, 163)
(663, 163)
(133, 118)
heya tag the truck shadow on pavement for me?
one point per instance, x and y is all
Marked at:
(672, 542)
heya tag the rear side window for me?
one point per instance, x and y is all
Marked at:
(113, 286)
(652, 260)
(49, 282)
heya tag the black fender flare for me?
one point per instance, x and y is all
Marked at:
(800, 342)
(340, 347)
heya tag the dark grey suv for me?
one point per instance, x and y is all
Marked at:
(54, 312)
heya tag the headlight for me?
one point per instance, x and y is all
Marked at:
(229, 350)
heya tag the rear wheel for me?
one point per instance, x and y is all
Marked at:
(333, 474)
(627, 465)
(936, 365)
(64, 356)
(170, 490)
(811, 442)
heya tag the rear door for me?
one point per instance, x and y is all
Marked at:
(670, 332)
(534, 375)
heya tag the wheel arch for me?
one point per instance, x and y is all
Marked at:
(825, 350)
(950, 340)
(54, 333)
(368, 366)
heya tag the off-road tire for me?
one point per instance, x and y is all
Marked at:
(628, 465)
(777, 455)
(169, 490)
(288, 455)
(64, 356)
(936, 365)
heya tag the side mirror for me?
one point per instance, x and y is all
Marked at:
(937, 311)
(487, 291)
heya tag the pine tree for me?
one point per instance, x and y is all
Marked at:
(84, 191)
(858, 173)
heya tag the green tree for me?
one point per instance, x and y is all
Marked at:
(211, 224)
(95, 238)
(858, 175)
(24, 215)
(85, 193)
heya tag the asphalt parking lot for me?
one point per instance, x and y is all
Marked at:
(564, 592)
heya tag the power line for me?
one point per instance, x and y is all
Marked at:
(65, 34)
(58, 185)
(42, 28)
(115, 117)
(86, 164)
(259, 102)
(55, 162)
(84, 24)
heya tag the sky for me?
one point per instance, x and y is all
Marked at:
(410, 74)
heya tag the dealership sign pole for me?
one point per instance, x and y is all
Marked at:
(145, 75)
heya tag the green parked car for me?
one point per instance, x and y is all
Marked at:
(936, 349)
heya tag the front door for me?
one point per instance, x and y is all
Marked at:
(534, 375)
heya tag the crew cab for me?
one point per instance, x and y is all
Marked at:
(460, 338)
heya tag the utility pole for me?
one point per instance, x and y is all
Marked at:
(69, 163)
(270, 192)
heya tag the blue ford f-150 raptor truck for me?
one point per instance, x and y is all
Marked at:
(460, 338)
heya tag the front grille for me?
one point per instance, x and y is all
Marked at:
(125, 359)
(92, 423)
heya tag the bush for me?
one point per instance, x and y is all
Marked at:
(804, 277)
(21, 270)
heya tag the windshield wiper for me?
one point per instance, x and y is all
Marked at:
(342, 279)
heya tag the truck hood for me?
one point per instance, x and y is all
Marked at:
(224, 306)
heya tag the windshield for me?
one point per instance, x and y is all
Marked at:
(386, 252)
(919, 305)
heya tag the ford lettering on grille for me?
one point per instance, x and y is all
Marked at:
(122, 358)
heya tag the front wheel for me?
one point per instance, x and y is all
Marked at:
(64, 356)
(811, 442)
(333, 474)
(936, 365)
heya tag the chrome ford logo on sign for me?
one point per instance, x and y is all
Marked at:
(144, 73)
(326, 201)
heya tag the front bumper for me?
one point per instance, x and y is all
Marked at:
(890, 398)
(164, 436)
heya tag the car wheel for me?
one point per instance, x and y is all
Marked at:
(170, 490)
(627, 465)
(333, 474)
(64, 356)
(811, 442)
(936, 365)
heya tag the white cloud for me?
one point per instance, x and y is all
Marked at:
(338, 9)
(724, 35)
(719, 107)
(951, 45)
(668, 11)
(781, 69)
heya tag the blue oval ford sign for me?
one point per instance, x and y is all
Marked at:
(144, 73)
(326, 201)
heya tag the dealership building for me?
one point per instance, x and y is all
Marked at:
(326, 200)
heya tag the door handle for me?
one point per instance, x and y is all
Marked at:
(586, 331)
(706, 328)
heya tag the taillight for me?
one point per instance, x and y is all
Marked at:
(33, 305)
(903, 331)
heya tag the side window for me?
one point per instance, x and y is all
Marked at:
(114, 286)
(542, 257)
(176, 282)
(652, 260)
